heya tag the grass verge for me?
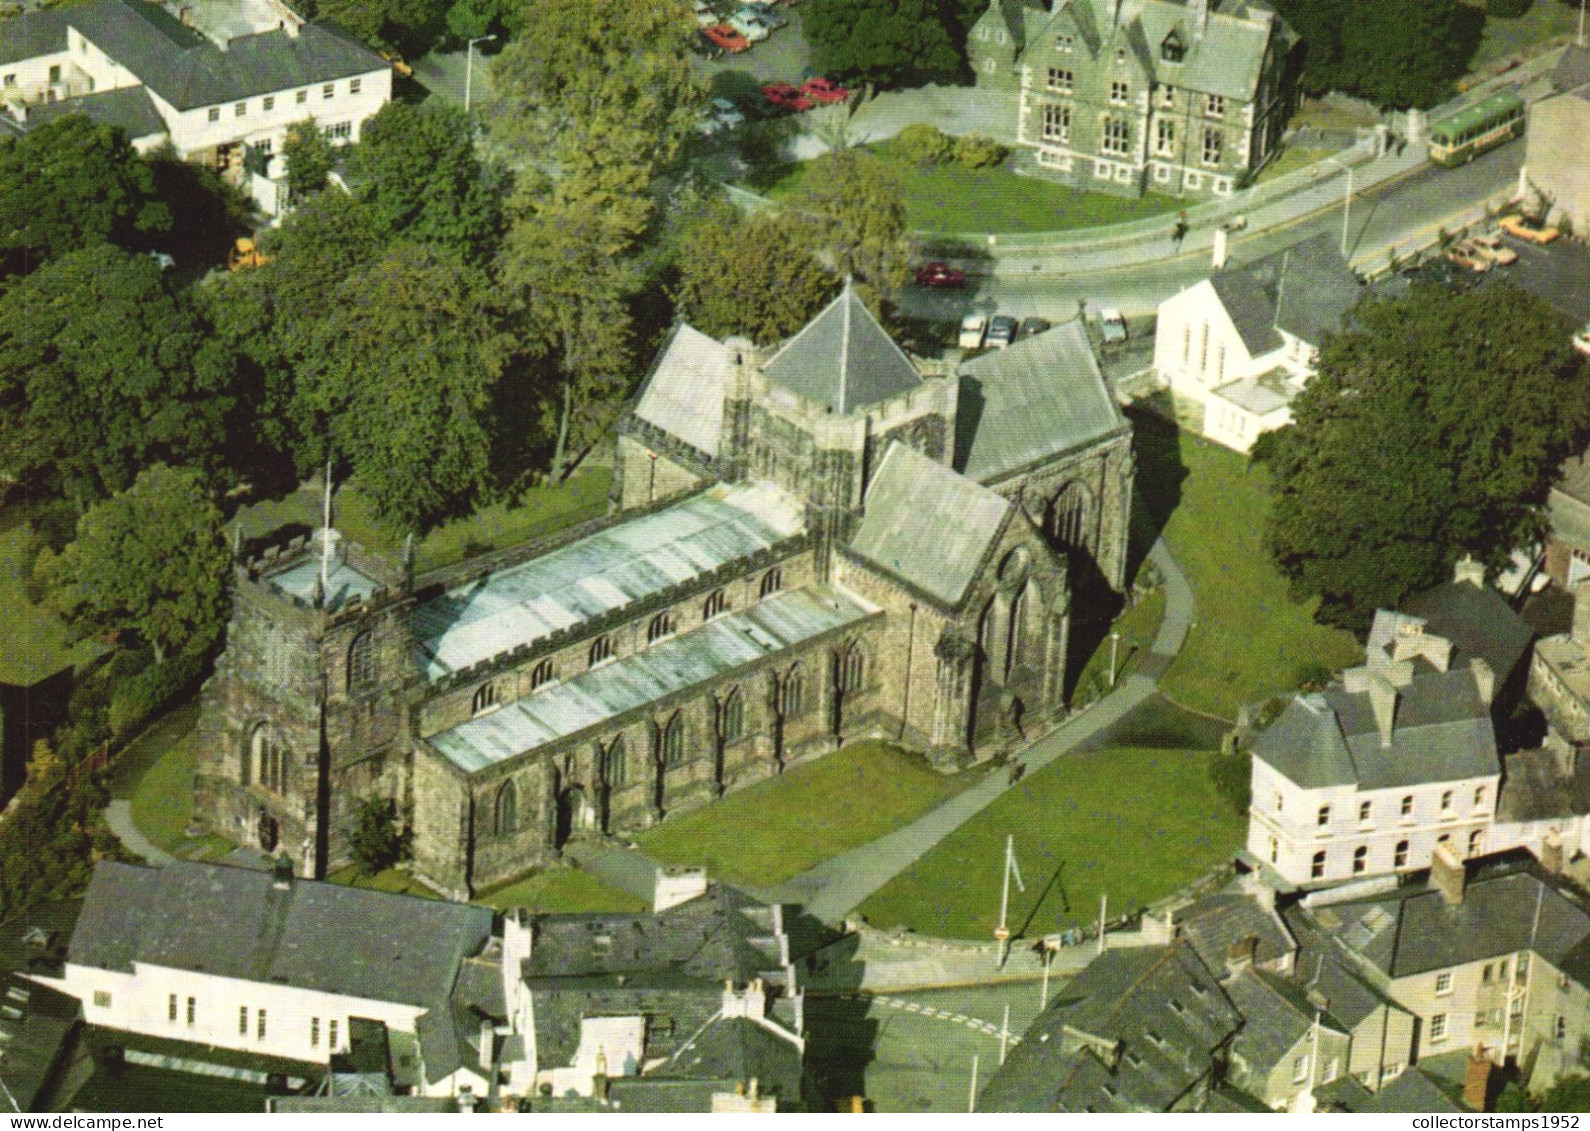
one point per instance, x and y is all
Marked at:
(558, 890)
(155, 773)
(779, 828)
(1137, 626)
(392, 880)
(1134, 824)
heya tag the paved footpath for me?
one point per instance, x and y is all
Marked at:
(840, 884)
(118, 815)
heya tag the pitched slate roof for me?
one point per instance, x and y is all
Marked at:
(738, 1049)
(1039, 397)
(1218, 922)
(1273, 1020)
(1304, 290)
(235, 923)
(684, 394)
(1251, 308)
(1537, 786)
(128, 108)
(927, 525)
(36, 1030)
(1478, 621)
(843, 359)
(1572, 70)
(1409, 1093)
(41, 31)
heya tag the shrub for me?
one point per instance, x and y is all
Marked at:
(1231, 773)
(1312, 675)
(142, 696)
(379, 839)
(922, 144)
(976, 152)
(1508, 9)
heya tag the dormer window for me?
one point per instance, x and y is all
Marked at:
(1172, 49)
(1120, 56)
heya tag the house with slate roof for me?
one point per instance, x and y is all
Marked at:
(820, 542)
(1237, 348)
(217, 80)
(1174, 96)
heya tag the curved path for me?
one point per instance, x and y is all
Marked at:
(118, 815)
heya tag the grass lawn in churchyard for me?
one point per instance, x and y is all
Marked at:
(393, 880)
(155, 773)
(1137, 627)
(541, 510)
(778, 828)
(1292, 158)
(34, 644)
(951, 198)
(558, 890)
(1250, 639)
(1131, 823)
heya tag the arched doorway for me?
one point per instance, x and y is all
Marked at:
(575, 814)
(268, 831)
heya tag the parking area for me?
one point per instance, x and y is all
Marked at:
(1558, 273)
(781, 57)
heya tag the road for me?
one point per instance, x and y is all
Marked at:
(1399, 215)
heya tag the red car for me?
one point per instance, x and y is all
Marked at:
(824, 90)
(940, 275)
(786, 95)
(727, 38)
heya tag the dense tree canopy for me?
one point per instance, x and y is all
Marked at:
(69, 184)
(1433, 429)
(851, 212)
(888, 42)
(310, 158)
(1394, 52)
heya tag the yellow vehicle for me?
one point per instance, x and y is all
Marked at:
(398, 64)
(245, 253)
(1525, 228)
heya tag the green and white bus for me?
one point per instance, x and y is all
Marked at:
(1474, 129)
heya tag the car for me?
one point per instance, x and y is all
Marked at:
(769, 16)
(940, 276)
(1581, 340)
(1031, 326)
(787, 96)
(820, 89)
(1111, 324)
(1528, 229)
(751, 28)
(1465, 254)
(727, 38)
(1491, 247)
(721, 114)
(973, 327)
(1001, 331)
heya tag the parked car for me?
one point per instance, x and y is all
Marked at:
(1581, 340)
(973, 327)
(1491, 246)
(727, 38)
(940, 276)
(820, 89)
(703, 47)
(1001, 331)
(1465, 254)
(1529, 230)
(1112, 325)
(749, 26)
(721, 114)
(1031, 326)
(769, 15)
(786, 95)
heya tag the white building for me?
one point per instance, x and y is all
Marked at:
(1236, 348)
(1369, 776)
(221, 79)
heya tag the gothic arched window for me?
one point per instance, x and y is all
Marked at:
(1018, 618)
(615, 764)
(268, 759)
(772, 581)
(852, 669)
(601, 649)
(792, 695)
(505, 810)
(715, 606)
(733, 716)
(1069, 515)
(661, 625)
(485, 698)
(361, 662)
(673, 741)
(541, 674)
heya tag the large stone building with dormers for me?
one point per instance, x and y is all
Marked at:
(1187, 97)
(821, 542)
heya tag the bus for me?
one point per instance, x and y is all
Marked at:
(1474, 129)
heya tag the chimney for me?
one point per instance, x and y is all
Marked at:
(1221, 254)
(1551, 852)
(1472, 572)
(1581, 613)
(488, 1043)
(1447, 874)
(465, 1100)
(1199, 11)
(282, 873)
(1383, 700)
(599, 1079)
(1477, 1079)
(1484, 680)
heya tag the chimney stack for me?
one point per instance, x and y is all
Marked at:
(1447, 874)
(1383, 700)
(1470, 571)
(1199, 11)
(1484, 680)
(1477, 1079)
(1552, 855)
(1581, 613)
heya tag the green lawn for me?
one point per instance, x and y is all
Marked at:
(560, 890)
(155, 772)
(1292, 159)
(1250, 639)
(1137, 625)
(541, 511)
(779, 828)
(34, 644)
(1134, 824)
(1545, 19)
(392, 880)
(949, 198)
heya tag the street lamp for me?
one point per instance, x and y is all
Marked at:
(1347, 204)
(1115, 639)
(469, 67)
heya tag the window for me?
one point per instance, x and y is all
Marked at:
(541, 674)
(1167, 97)
(214, 114)
(852, 669)
(328, 91)
(102, 999)
(1443, 982)
(192, 1010)
(1407, 805)
(715, 605)
(11, 80)
(1400, 857)
(1437, 1028)
(1153, 1037)
(171, 1008)
(270, 103)
(1486, 974)
(314, 1032)
(1117, 136)
(55, 73)
(1215, 106)
(601, 649)
(331, 1035)
(1120, 93)
(1177, 1007)
(260, 1028)
(1446, 802)
(1300, 1069)
(792, 693)
(673, 741)
(1165, 138)
(242, 1020)
(361, 662)
(353, 85)
(1317, 869)
(341, 131)
(1056, 123)
(485, 699)
(1066, 42)
(1479, 796)
(1275, 850)
(1324, 816)
(772, 581)
(1120, 56)
(733, 716)
(1476, 841)
(240, 109)
(1364, 809)
(1561, 1027)
(1172, 49)
(1212, 145)
(1360, 860)
(1060, 80)
(301, 97)
(505, 810)
(661, 625)
(615, 764)
(1481, 1019)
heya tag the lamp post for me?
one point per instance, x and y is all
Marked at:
(1115, 639)
(469, 67)
(1347, 204)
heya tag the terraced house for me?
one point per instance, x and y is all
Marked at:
(1187, 97)
(812, 544)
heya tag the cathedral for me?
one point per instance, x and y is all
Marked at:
(824, 541)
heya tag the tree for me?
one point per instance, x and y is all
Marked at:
(1433, 429)
(310, 158)
(151, 560)
(1570, 1093)
(69, 184)
(378, 840)
(102, 372)
(1397, 53)
(888, 42)
(397, 381)
(409, 26)
(852, 212)
(416, 172)
(214, 213)
(748, 275)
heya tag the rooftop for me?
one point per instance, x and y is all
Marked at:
(345, 584)
(684, 394)
(599, 573)
(1304, 290)
(673, 665)
(843, 359)
(128, 108)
